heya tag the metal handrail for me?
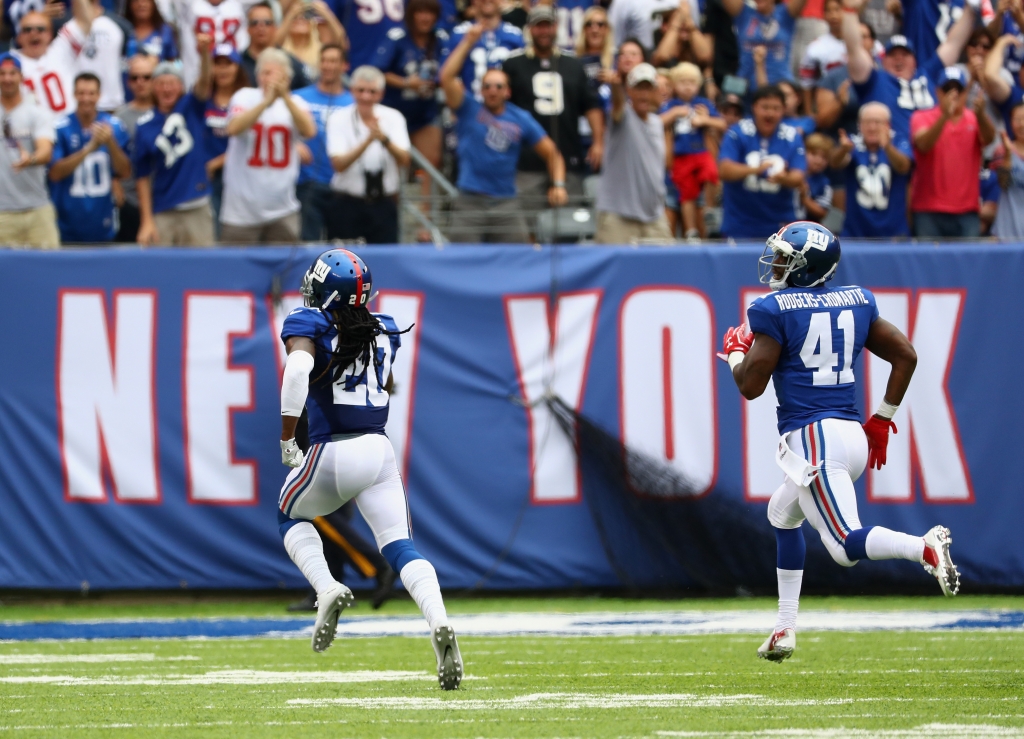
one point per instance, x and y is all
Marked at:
(435, 174)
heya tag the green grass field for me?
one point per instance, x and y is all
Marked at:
(837, 684)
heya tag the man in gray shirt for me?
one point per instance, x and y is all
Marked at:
(27, 218)
(631, 192)
(140, 80)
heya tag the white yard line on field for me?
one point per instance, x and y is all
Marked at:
(226, 677)
(926, 731)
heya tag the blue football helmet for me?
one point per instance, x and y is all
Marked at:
(807, 252)
(337, 277)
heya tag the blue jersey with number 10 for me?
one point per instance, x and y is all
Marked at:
(357, 403)
(822, 331)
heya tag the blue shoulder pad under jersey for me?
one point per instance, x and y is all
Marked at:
(354, 401)
(821, 331)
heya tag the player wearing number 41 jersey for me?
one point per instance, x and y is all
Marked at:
(806, 337)
(265, 124)
(339, 369)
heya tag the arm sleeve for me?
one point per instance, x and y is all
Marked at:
(384, 57)
(58, 148)
(306, 322)
(43, 128)
(873, 305)
(295, 383)
(532, 131)
(120, 133)
(731, 147)
(797, 156)
(398, 130)
(333, 134)
(763, 321)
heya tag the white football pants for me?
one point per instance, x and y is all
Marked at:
(829, 502)
(334, 473)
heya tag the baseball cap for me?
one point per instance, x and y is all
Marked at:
(173, 68)
(952, 74)
(899, 41)
(8, 57)
(642, 72)
(227, 51)
(541, 14)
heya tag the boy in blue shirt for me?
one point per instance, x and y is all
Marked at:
(170, 158)
(762, 165)
(816, 195)
(691, 118)
(491, 135)
(87, 155)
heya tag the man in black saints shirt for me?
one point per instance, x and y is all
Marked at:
(553, 87)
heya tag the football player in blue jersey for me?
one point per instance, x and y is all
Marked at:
(905, 81)
(88, 154)
(494, 43)
(806, 336)
(339, 369)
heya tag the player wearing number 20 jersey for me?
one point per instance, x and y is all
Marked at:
(339, 371)
(262, 164)
(805, 337)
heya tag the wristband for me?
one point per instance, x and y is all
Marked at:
(735, 358)
(385, 141)
(886, 410)
(558, 184)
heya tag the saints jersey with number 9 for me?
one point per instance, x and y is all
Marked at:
(822, 331)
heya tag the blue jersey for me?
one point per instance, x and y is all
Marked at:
(357, 403)
(819, 187)
(821, 331)
(570, 21)
(172, 149)
(216, 139)
(687, 139)
(367, 23)
(926, 23)
(1006, 107)
(321, 105)
(83, 200)
(902, 97)
(988, 185)
(400, 55)
(754, 207)
(774, 31)
(490, 51)
(1014, 54)
(876, 196)
(803, 123)
(489, 147)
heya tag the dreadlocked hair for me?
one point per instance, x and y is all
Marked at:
(357, 331)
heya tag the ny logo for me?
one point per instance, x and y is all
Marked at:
(320, 270)
(817, 240)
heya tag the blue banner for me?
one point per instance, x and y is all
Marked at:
(139, 404)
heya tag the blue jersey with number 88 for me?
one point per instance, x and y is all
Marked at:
(822, 331)
(357, 403)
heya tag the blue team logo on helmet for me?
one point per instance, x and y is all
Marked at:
(807, 254)
(337, 277)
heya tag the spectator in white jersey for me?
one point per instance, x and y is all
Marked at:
(265, 124)
(140, 82)
(48, 63)
(262, 33)
(103, 55)
(368, 144)
(27, 219)
(638, 148)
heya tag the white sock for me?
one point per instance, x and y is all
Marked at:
(302, 542)
(789, 597)
(420, 579)
(882, 543)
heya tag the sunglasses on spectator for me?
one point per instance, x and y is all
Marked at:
(137, 77)
(261, 22)
(36, 29)
(494, 85)
(595, 24)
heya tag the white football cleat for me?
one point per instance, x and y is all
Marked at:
(937, 561)
(449, 660)
(329, 608)
(778, 646)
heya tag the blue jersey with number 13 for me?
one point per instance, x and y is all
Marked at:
(822, 331)
(357, 403)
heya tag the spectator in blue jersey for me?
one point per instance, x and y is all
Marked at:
(595, 51)
(262, 33)
(926, 23)
(493, 43)
(410, 59)
(793, 116)
(170, 158)
(988, 184)
(816, 195)
(491, 135)
(770, 25)
(902, 85)
(152, 35)
(877, 168)
(228, 78)
(367, 23)
(762, 164)
(313, 188)
(87, 155)
(1005, 94)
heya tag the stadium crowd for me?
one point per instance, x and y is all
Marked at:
(193, 122)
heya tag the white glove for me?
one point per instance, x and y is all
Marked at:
(291, 455)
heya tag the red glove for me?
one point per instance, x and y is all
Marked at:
(736, 339)
(877, 431)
